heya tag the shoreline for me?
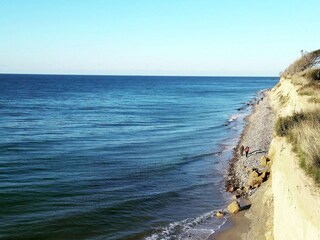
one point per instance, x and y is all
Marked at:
(257, 134)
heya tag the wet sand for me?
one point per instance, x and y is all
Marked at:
(236, 226)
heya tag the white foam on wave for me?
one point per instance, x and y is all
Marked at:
(233, 118)
(190, 229)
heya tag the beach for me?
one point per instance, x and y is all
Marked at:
(255, 221)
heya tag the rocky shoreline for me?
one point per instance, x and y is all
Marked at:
(246, 175)
(257, 135)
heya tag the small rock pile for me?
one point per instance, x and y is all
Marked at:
(255, 178)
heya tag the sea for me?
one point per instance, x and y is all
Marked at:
(118, 157)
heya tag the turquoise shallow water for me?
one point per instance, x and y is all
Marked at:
(117, 157)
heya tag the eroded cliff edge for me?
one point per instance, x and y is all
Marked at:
(295, 187)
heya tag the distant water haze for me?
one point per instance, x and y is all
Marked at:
(117, 157)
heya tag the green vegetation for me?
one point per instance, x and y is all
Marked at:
(309, 89)
(311, 74)
(284, 125)
(302, 130)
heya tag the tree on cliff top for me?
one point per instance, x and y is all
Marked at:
(308, 61)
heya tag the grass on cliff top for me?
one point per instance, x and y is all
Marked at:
(302, 130)
(308, 60)
(309, 86)
(308, 83)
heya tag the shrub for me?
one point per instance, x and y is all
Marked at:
(302, 130)
(285, 124)
(314, 100)
(311, 74)
(309, 89)
(306, 61)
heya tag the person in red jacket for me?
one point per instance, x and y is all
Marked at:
(246, 150)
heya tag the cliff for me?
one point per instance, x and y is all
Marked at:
(296, 195)
(285, 126)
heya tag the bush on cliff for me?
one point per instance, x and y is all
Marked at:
(311, 74)
(306, 61)
(302, 130)
(309, 89)
(284, 125)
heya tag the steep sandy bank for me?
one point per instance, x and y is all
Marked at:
(287, 206)
(285, 99)
(296, 197)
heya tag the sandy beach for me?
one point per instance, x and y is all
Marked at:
(254, 222)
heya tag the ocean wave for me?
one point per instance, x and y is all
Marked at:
(233, 118)
(197, 228)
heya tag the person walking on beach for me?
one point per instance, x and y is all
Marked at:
(241, 150)
(246, 151)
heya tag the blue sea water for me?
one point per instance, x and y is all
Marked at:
(117, 157)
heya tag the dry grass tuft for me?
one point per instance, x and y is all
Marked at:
(315, 100)
(306, 61)
(283, 100)
(302, 130)
(311, 74)
(310, 88)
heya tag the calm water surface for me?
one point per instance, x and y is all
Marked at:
(111, 157)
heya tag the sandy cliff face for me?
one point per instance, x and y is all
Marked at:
(285, 99)
(296, 198)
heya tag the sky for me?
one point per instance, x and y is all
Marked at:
(156, 37)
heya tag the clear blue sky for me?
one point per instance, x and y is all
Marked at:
(158, 37)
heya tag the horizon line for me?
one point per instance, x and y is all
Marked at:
(134, 75)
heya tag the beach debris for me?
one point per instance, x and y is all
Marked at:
(219, 214)
(233, 207)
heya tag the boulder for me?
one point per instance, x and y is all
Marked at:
(256, 178)
(236, 196)
(246, 189)
(265, 161)
(265, 175)
(219, 214)
(250, 170)
(231, 188)
(233, 207)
